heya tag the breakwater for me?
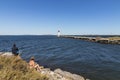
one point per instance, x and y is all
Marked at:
(107, 40)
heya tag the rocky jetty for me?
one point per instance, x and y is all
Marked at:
(107, 40)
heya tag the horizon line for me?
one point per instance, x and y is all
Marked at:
(56, 34)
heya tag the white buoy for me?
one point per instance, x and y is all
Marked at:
(58, 34)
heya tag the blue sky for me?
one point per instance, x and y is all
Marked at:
(19, 17)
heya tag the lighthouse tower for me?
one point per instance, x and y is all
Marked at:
(58, 34)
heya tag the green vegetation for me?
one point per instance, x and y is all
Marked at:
(14, 68)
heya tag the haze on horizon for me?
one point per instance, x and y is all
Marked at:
(71, 17)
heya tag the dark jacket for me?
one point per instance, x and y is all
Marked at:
(15, 50)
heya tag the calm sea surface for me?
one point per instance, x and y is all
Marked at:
(91, 60)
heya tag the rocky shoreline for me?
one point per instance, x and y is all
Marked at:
(57, 74)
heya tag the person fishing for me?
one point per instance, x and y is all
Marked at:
(15, 50)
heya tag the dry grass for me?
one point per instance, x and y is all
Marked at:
(13, 68)
(114, 38)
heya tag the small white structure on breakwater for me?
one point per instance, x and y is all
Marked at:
(58, 34)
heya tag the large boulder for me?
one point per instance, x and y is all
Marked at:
(68, 75)
(58, 74)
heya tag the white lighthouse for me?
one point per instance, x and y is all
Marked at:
(58, 34)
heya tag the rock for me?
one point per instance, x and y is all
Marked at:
(51, 75)
(69, 75)
(6, 53)
(58, 74)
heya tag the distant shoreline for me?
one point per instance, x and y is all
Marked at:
(27, 35)
(55, 35)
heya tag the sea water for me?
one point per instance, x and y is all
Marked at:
(94, 61)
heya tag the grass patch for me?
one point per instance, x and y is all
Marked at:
(14, 68)
(114, 38)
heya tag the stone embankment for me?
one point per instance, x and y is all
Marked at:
(108, 40)
(57, 74)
